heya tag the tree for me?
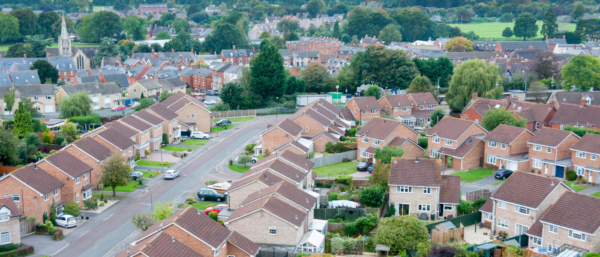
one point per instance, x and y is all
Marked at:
(463, 16)
(455, 41)
(192, 9)
(414, 22)
(135, 27)
(494, 117)
(162, 210)
(374, 91)
(144, 103)
(78, 104)
(436, 115)
(162, 35)
(550, 27)
(143, 48)
(223, 7)
(288, 25)
(336, 31)
(22, 121)
(180, 24)
(45, 71)
(244, 159)
(390, 34)
(372, 196)
(232, 94)
(106, 25)
(389, 68)
(578, 11)
(45, 22)
(317, 78)
(364, 21)
(381, 173)
(142, 221)
(294, 85)
(224, 36)
(525, 26)
(9, 27)
(57, 27)
(401, 233)
(545, 65)
(420, 84)
(115, 172)
(268, 76)
(38, 44)
(315, 7)
(19, 50)
(9, 100)
(436, 70)
(386, 153)
(68, 129)
(581, 72)
(507, 32)
(473, 76)
(9, 149)
(85, 29)
(28, 105)
(164, 95)
(106, 49)
(28, 21)
(539, 92)
(264, 34)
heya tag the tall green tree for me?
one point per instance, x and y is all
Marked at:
(38, 44)
(9, 27)
(232, 94)
(336, 30)
(115, 172)
(582, 72)
(85, 29)
(436, 115)
(135, 27)
(28, 21)
(421, 84)
(578, 11)
(180, 24)
(224, 36)
(550, 27)
(388, 68)
(525, 26)
(294, 85)
(386, 153)
(363, 22)
(507, 32)
(162, 35)
(45, 22)
(373, 91)
(45, 70)
(107, 48)
(317, 78)
(78, 104)
(494, 117)
(268, 75)
(470, 77)
(315, 7)
(390, 34)
(22, 121)
(414, 23)
(19, 50)
(106, 24)
(9, 100)
(9, 149)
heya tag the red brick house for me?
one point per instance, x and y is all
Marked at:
(398, 106)
(294, 147)
(452, 134)
(321, 139)
(550, 151)
(10, 216)
(364, 108)
(466, 156)
(367, 41)
(237, 56)
(380, 132)
(92, 153)
(506, 148)
(116, 142)
(278, 134)
(319, 116)
(538, 116)
(153, 8)
(585, 156)
(74, 173)
(582, 116)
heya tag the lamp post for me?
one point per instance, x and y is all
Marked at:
(277, 98)
(552, 83)
(151, 207)
(336, 88)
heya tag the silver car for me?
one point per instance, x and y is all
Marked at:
(171, 174)
(66, 221)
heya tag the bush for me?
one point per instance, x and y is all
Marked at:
(318, 184)
(478, 203)
(422, 142)
(571, 175)
(90, 204)
(361, 225)
(211, 182)
(345, 160)
(137, 157)
(69, 139)
(102, 204)
(58, 235)
(464, 207)
(8, 247)
(334, 196)
(165, 139)
(53, 151)
(352, 132)
(302, 254)
(372, 196)
(250, 148)
(213, 215)
(72, 209)
(329, 147)
(391, 211)
(344, 179)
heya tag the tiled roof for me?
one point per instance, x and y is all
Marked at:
(536, 113)
(173, 98)
(164, 112)
(165, 245)
(550, 137)
(505, 134)
(293, 143)
(298, 160)
(244, 243)
(450, 189)
(416, 172)
(265, 177)
(488, 206)
(526, 189)
(423, 98)
(68, 163)
(326, 135)
(114, 137)
(463, 149)
(571, 114)
(336, 129)
(450, 128)
(288, 126)
(587, 209)
(286, 190)
(121, 128)
(147, 117)
(93, 88)
(397, 141)
(93, 148)
(135, 123)
(275, 206)
(379, 128)
(398, 100)
(575, 97)
(38, 179)
(536, 229)
(7, 201)
(324, 111)
(178, 105)
(516, 45)
(588, 143)
(422, 113)
(366, 103)
(203, 227)
(347, 114)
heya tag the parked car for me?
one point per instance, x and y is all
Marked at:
(370, 169)
(66, 221)
(198, 134)
(363, 166)
(503, 174)
(211, 194)
(118, 108)
(133, 105)
(136, 174)
(217, 208)
(223, 122)
(171, 174)
(209, 102)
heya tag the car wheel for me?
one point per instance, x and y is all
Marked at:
(205, 137)
(219, 199)
(202, 198)
(253, 161)
(503, 178)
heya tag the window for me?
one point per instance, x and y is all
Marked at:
(521, 209)
(447, 142)
(537, 125)
(48, 97)
(46, 197)
(548, 149)
(35, 98)
(593, 157)
(427, 190)
(375, 142)
(306, 128)
(107, 96)
(94, 95)
(217, 251)
(580, 154)
(562, 127)
(537, 147)
(77, 180)
(16, 197)
(430, 106)
(554, 229)
(503, 146)
(76, 197)
(96, 104)
(502, 204)
(373, 111)
(488, 216)
(434, 154)
(87, 194)
(536, 240)
(424, 207)
(491, 159)
(364, 111)
(363, 153)
(106, 105)
(85, 176)
(502, 223)
(55, 192)
(5, 238)
(537, 164)
(492, 144)
(272, 230)
(404, 189)
(187, 115)
(365, 139)
(421, 107)
(117, 95)
(38, 108)
(520, 229)
(580, 171)
(576, 235)
(435, 139)
(404, 109)
(194, 115)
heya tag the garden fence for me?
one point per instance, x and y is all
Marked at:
(325, 214)
(476, 194)
(27, 227)
(333, 159)
(48, 148)
(274, 253)
(466, 220)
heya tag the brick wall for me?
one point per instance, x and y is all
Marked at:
(308, 124)
(14, 228)
(235, 251)
(256, 228)
(414, 199)
(29, 207)
(96, 172)
(402, 131)
(412, 151)
(204, 120)
(471, 114)
(564, 149)
(274, 138)
(319, 144)
(292, 149)
(473, 159)
(514, 218)
(562, 237)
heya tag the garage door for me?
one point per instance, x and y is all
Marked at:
(48, 108)
(512, 166)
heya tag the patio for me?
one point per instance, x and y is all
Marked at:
(478, 237)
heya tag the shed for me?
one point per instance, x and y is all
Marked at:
(382, 248)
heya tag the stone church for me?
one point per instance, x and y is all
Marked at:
(81, 55)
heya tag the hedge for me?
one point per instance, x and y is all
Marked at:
(346, 146)
(581, 131)
(423, 142)
(23, 251)
(93, 119)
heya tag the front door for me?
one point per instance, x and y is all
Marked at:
(560, 172)
(441, 210)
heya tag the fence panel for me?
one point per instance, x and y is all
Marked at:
(27, 227)
(333, 159)
(476, 194)
(466, 220)
(7, 169)
(331, 213)
(234, 114)
(273, 253)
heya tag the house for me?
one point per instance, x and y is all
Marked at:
(556, 99)
(92, 153)
(170, 125)
(537, 116)
(367, 41)
(364, 108)
(325, 45)
(399, 106)
(153, 8)
(582, 116)
(379, 132)
(423, 105)
(103, 95)
(75, 174)
(142, 137)
(190, 233)
(153, 87)
(304, 58)
(585, 157)
(156, 132)
(119, 79)
(506, 148)
(417, 186)
(294, 147)
(112, 139)
(318, 116)
(10, 227)
(25, 77)
(321, 139)
(477, 107)
(239, 57)
(454, 134)
(516, 205)
(549, 151)
(506, 47)
(42, 96)
(201, 79)
(557, 231)
(193, 114)
(278, 134)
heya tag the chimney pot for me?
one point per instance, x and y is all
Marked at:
(582, 101)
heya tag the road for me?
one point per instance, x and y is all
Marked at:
(114, 232)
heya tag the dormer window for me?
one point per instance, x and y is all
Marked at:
(588, 100)
(365, 139)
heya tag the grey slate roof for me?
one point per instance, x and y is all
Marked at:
(306, 54)
(5, 79)
(516, 45)
(119, 78)
(25, 77)
(238, 53)
(88, 78)
(92, 88)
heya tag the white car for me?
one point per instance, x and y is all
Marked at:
(198, 134)
(209, 102)
(66, 221)
(171, 174)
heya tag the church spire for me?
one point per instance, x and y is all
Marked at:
(64, 41)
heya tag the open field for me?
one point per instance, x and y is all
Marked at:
(494, 29)
(55, 45)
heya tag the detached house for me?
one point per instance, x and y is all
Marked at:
(278, 134)
(73, 173)
(506, 148)
(585, 156)
(423, 105)
(537, 116)
(10, 228)
(364, 108)
(550, 151)
(459, 139)
(417, 186)
(520, 201)
(399, 106)
(193, 114)
(556, 99)
(380, 132)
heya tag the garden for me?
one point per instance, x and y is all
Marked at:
(155, 164)
(343, 168)
(473, 175)
(195, 142)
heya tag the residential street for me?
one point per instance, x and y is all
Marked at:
(104, 235)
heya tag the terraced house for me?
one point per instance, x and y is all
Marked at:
(380, 132)
(458, 138)
(170, 125)
(103, 95)
(156, 131)
(117, 143)
(320, 116)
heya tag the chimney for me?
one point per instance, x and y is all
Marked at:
(47, 55)
(417, 160)
(233, 47)
(172, 50)
(582, 101)
(507, 62)
(24, 55)
(574, 46)
(564, 37)
(152, 50)
(474, 96)
(478, 102)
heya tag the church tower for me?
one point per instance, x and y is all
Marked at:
(64, 41)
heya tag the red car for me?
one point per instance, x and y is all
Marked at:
(118, 108)
(217, 208)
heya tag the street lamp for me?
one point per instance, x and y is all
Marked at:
(151, 207)
(552, 83)
(336, 88)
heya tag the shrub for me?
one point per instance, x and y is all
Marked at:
(137, 157)
(344, 179)
(352, 132)
(250, 148)
(211, 182)
(52, 151)
(213, 215)
(478, 203)
(571, 175)
(337, 244)
(422, 142)
(334, 196)
(72, 209)
(44, 217)
(58, 235)
(230, 162)
(302, 254)
(464, 207)
(391, 211)
(8, 247)
(318, 184)
(361, 225)
(372, 196)
(69, 139)
(90, 204)
(165, 139)
(329, 147)
(102, 196)
(102, 204)
(59, 140)
(147, 152)
(345, 160)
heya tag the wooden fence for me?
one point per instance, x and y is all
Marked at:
(333, 159)
(476, 194)
(441, 237)
(27, 227)
(7, 169)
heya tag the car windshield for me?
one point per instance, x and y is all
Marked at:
(71, 219)
(169, 173)
(500, 172)
(362, 164)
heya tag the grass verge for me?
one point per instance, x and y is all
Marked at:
(336, 169)
(597, 194)
(194, 142)
(473, 175)
(108, 196)
(576, 187)
(148, 173)
(221, 128)
(132, 186)
(240, 119)
(239, 168)
(179, 148)
(203, 205)
(153, 164)
(499, 182)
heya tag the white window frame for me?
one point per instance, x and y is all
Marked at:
(272, 230)
(55, 192)
(448, 207)
(76, 197)
(491, 159)
(434, 154)
(4, 216)
(502, 204)
(537, 164)
(503, 146)
(537, 148)
(194, 115)
(522, 209)
(524, 229)
(424, 207)
(49, 97)
(306, 128)
(363, 153)
(373, 111)
(435, 139)
(446, 142)
(580, 154)
(421, 107)
(492, 144)
(548, 149)
(35, 98)
(503, 223)
(553, 229)
(16, 197)
(427, 190)
(5, 234)
(77, 180)
(85, 176)
(537, 125)
(488, 216)
(46, 197)
(562, 127)
(593, 157)
(404, 189)
(405, 109)
(572, 234)
(364, 111)
(430, 106)
(365, 139)
(375, 141)
(536, 240)
(579, 170)
(87, 194)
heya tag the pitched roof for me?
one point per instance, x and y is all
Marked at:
(364, 103)
(535, 113)
(526, 189)
(124, 130)
(178, 105)
(275, 206)
(118, 78)
(203, 227)
(550, 137)
(297, 160)
(114, 137)
(68, 163)
(575, 97)
(7, 201)
(379, 128)
(451, 128)
(288, 126)
(326, 135)
(572, 114)
(505, 134)
(586, 207)
(25, 77)
(294, 143)
(463, 149)
(264, 177)
(588, 143)
(516, 45)
(147, 117)
(93, 148)
(173, 98)
(416, 172)
(398, 100)
(38, 179)
(423, 98)
(347, 114)
(135, 123)
(163, 112)
(450, 190)
(488, 206)
(286, 190)
(162, 245)
(93, 88)
(244, 243)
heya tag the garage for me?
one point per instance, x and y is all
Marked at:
(48, 108)
(512, 165)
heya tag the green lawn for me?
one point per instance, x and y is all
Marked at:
(494, 29)
(203, 205)
(108, 196)
(153, 164)
(221, 128)
(241, 119)
(179, 148)
(194, 142)
(148, 173)
(473, 175)
(336, 169)
(239, 168)
(576, 187)
(597, 194)
(55, 45)
(132, 186)
(499, 182)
